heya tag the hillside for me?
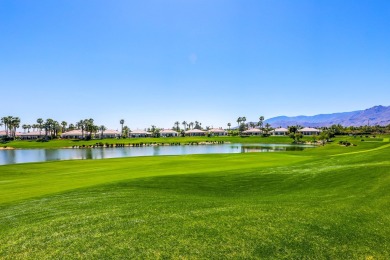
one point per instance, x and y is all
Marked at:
(378, 115)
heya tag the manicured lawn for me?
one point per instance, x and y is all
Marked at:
(332, 202)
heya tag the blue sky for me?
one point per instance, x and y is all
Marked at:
(157, 62)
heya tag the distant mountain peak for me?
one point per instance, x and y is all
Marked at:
(377, 115)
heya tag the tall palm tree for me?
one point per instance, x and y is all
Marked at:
(15, 122)
(184, 123)
(40, 121)
(7, 120)
(177, 125)
(64, 124)
(261, 119)
(49, 126)
(191, 125)
(80, 125)
(24, 126)
(229, 125)
(28, 128)
(89, 126)
(267, 128)
(243, 119)
(122, 122)
(239, 120)
(102, 128)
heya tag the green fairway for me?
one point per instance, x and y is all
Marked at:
(323, 203)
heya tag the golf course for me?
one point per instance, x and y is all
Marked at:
(329, 202)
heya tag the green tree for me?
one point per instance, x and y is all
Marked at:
(40, 122)
(260, 123)
(239, 120)
(122, 121)
(64, 124)
(177, 126)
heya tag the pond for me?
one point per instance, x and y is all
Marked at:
(45, 155)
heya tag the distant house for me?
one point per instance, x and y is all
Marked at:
(309, 131)
(195, 132)
(218, 132)
(139, 133)
(253, 131)
(168, 133)
(280, 131)
(109, 134)
(32, 135)
(73, 134)
(3, 133)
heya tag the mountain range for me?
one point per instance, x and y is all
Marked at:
(377, 115)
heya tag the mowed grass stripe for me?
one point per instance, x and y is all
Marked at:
(24, 181)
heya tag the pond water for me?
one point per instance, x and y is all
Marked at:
(44, 155)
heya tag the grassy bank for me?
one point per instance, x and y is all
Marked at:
(328, 202)
(60, 143)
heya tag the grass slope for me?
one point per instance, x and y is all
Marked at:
(32, 144)
(307, 204)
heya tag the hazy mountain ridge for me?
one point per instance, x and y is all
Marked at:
(377, 115)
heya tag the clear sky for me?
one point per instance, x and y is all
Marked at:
(157, 62)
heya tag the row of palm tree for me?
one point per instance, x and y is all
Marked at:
(10, 123)
(187, 126)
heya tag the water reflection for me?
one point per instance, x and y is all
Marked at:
(43, 155)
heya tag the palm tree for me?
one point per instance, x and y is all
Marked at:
(4, 122)
(15, 122)
(239, 121)
(261, 119)
(71, 127)
(177, 125)
(89, 126)
(7, 124)
(191, 125)
(102, 128)
(40, 121)
(64, 124)
(243, 119)
(184, 123)
(80, 125)
(49, 126)
(28, 128)
(122, 122)
(267, 128)
(229, 125)
(24, 127)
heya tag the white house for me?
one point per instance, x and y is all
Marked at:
(73, 134)
(109, 134)
(168, 133)
(218, 132)
(253, 131)
(195, 132)
(309, 131)
(32, 135)
(139, 133)
(280, 131)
